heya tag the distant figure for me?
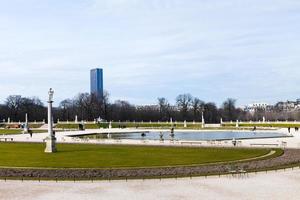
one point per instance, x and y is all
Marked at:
(234, 142)
(161, 135)
(289, 129)
(30, 132)
(172, 130)
(254, 128)
(296, 129)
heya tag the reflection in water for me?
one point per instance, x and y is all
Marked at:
(191, 136)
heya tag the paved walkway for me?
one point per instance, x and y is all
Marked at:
(274, 185)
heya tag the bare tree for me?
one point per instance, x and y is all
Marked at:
(66, 107)
(123, 110)
(183, 103)
(164, 108)
(84, 105)
(88, 107)
(197, 107)
(211, 113)
(14, 104)
(105, 106)
(229, 110)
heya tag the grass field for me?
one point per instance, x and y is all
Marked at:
(116, 156)
(10, 131)
(31, 125)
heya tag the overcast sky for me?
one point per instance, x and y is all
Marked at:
(245, 49)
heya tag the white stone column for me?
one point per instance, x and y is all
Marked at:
(50, 140)
(50, 128)
(26, 126)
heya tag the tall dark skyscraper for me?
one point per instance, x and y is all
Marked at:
(97, 82)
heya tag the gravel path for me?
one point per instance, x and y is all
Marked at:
(273, 185)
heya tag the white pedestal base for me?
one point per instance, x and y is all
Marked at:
(25, 131)
(50, 145)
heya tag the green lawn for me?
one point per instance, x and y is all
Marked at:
(10, 131)
(116, 156)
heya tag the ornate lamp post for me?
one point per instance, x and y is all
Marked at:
(50, 140)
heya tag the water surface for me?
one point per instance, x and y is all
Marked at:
(190, 136)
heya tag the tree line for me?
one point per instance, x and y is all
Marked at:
(88, 107)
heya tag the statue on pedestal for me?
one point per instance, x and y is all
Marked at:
(50, 140)
(25, 125)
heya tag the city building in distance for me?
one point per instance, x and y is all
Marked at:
(285, 106)
(254, 107)
(97, 82)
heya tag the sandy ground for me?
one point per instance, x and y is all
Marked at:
(274, 185)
